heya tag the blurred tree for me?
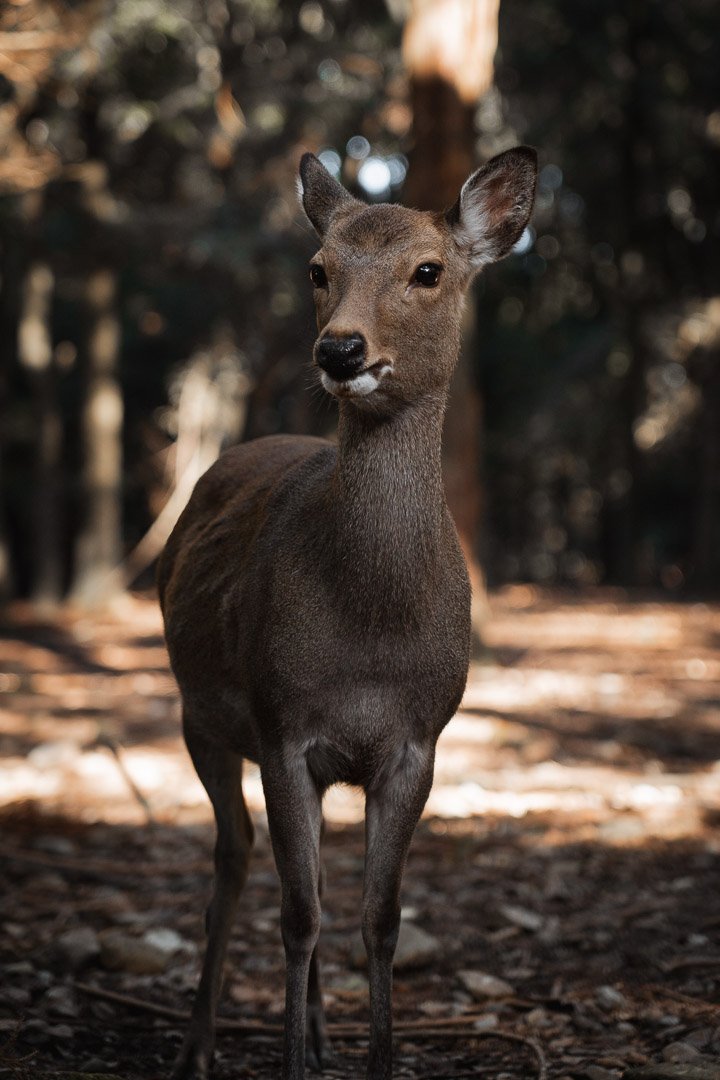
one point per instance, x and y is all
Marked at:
(448, 49)
(162, 142)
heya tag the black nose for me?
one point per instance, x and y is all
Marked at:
(341, 357)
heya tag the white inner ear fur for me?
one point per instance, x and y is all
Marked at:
(299, 188)
(472, 232)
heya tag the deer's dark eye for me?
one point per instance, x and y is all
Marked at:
(318, 276)
(428, 275)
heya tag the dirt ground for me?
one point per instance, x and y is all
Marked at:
(566, 873)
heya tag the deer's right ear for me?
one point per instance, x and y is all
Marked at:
(320, 193)
(494, 206)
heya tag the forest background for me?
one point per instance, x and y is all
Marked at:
(155, 308)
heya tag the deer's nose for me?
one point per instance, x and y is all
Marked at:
(341, 357)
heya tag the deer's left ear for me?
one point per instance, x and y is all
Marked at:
(494, 206)
(320, 193)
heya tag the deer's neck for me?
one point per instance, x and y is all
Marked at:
(388, 503)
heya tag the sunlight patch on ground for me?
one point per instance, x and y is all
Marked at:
(564, 724)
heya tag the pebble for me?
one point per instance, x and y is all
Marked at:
(61, 1000)
(609, 999)
(519, 916)
(415, 949)
(78, 947)
(166, 940)
(16, 995)
(598, 1072)
(120, 952)
(681, 1051)
(486, 1023)
(483, 985)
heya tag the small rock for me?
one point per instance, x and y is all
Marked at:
(20, 967)
(681, 1051)
(486, 1023)
(609, 999)
(78, 947)
(60, 1031)
(16, 995)
(538, 1018)
(415, 949)
(167, 941)
(482, 985)
(120, 952)
(61, 1000)
(519, 916)
(598, 1072)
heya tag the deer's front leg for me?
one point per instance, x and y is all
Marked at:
(392, 811)
(294, 808)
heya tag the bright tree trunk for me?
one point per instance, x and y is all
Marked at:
(448, 48)
(98, 548)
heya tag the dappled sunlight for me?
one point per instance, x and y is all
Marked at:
(567, 853)
(597, 717)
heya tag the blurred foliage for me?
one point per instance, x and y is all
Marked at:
(164, 139)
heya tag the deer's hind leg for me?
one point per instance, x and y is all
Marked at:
(318, 1051)
(220, 771)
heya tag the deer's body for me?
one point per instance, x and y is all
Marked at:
(316, 600)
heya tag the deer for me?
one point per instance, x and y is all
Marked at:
(315, 597)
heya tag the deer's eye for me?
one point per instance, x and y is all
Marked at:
(318, 276)
(428, 275)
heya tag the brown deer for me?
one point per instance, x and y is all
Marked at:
(316, 602)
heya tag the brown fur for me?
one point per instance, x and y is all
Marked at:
(317, 608)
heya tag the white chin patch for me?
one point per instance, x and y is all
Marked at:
(360, 386)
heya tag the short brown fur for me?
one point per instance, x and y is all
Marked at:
(316, 601)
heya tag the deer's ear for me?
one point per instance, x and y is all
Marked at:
(494, 206)
(320, 193)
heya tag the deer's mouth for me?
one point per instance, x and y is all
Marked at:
(360, 385)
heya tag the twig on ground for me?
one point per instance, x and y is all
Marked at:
(454, 1027)
(106, 740)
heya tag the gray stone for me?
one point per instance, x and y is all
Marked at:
(522, 917)
(681, 1051)
(483, 985)
(415, 949)
(120, 952)
(166, 940)
(78, 947)
(61, 1000)
(598, 1072)
(608, 998)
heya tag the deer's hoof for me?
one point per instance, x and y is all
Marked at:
(192, 1065)
(318, 1049)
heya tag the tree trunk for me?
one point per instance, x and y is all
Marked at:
(36, 356)
(98, 548)
(10, 279)
(448, 47)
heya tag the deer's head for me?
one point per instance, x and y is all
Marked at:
(389, 282)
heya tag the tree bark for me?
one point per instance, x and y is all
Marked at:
(35, 352)
(98, 548)
(448, 47)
